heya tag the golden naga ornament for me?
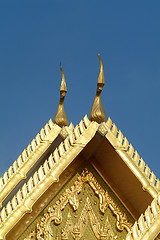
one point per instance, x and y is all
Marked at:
(97, 113)
(61, 118)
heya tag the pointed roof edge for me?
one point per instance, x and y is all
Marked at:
(24, 199)
(132, 159)
(29, 157)
(60, 159)
(148, 224)
(26, 160)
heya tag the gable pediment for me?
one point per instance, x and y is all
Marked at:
(82, 208)
(111, 155)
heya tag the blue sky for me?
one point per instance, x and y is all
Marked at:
(36, 35)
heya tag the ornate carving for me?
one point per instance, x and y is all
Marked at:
(32, 235)
(68, 227)
(70, 195)
(77, 231)
(64, 132)
(102, 129)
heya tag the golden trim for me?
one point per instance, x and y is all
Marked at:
(47, 174)
(54, 213)
(28, 158)
(148, 224)
(10, 215)
(132, 159)
(78, 229)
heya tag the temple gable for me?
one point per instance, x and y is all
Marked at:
(85, 208)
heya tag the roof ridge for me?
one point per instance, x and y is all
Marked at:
(16, 169)
(123, 145)
(51, 168)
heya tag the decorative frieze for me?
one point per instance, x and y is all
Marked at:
(54, 213)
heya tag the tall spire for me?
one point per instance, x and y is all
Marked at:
(60, 117)
(97, 113)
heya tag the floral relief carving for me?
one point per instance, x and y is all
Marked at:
(54, 213)
(77, 231)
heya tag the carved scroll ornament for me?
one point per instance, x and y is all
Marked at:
(78, 230)
(43, 229)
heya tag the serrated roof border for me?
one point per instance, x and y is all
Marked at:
(49, 172)
(27, 159)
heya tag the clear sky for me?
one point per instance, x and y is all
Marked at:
(36, 35)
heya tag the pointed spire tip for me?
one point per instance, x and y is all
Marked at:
(101, 72)
(63, 87)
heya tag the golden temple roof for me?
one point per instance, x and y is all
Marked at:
(56, 163)
(55, 149)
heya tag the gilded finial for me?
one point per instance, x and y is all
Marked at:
(101, 72)
(63, 83)
(61, 118)
(97, 113)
